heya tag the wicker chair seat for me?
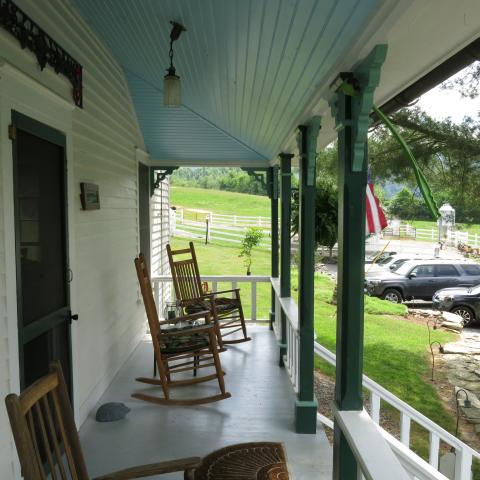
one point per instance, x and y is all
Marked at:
(245, 461)
(182, 343)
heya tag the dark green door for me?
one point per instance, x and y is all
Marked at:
(43, 275)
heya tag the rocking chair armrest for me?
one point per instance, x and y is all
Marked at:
(188, 331)
(186, 318)
(206, 295)
(182, 464)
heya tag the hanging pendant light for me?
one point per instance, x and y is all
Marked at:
(171, 82)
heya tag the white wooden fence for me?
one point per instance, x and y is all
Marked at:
(232, 231)
(359, 422)
(431, 235)
(235, 281)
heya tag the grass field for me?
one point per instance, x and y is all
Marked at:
(218, 201)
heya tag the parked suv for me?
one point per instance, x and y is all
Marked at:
(464, 301)
(392, 262)
(420, 279)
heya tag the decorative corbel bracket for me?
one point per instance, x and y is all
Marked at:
(158, 175)
(359, 84)
(307, 136)
(258, 174)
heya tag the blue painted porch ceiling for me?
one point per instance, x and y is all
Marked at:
(248, 68)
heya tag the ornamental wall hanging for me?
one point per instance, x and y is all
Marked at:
(47, 50)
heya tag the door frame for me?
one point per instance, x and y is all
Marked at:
(57, 138)
(21, 93)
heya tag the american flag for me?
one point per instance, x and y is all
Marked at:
(376, 220)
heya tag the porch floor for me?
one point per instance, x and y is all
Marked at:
(261, 409)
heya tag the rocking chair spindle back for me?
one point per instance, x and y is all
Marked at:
(227, 313)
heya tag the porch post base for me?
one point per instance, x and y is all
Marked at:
(272, 319)
(306, 416)
(283, 352)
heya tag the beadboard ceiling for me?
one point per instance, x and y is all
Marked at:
(252, 70)
(248, 68)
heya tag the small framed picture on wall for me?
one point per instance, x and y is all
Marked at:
(89, 195)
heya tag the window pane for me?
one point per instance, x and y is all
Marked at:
(446, 271)
(40, 199)
(471, 269)
(424, 271)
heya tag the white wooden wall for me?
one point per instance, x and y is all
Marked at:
(102, 141)
(160, 211)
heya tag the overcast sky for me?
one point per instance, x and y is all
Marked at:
(441, 104)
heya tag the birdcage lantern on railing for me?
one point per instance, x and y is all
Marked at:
(446, 222)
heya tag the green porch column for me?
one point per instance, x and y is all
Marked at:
(351, 106)
(272, 182)
(285, 245)
(306, 404)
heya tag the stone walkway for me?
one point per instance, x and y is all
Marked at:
(462, 359)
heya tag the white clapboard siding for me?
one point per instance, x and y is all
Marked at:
(160, 214)
(105, 135)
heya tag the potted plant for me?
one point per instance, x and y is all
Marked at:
(253, 237)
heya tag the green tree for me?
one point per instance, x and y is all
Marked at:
(447, 153)
(218, 178)
(407, 206)
(253, 237)
(326, 213)
(467, 82)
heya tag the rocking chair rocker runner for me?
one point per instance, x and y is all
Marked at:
(227, 312)
(178, 349)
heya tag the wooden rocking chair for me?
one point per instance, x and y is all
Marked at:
(178, 349)
(47, 440)
(227, 312)
(48, 444)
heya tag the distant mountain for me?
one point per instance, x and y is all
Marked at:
(391, 188)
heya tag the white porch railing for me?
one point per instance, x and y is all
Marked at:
(412, 462)
(288, 306)
(357, 422)
(235, 281)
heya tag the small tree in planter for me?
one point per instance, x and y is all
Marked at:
(253, 237)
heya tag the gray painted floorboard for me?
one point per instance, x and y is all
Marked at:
(261, 409)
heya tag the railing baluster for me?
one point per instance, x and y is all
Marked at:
(214, 287)
(254, 302)
(234, 286)
(434, 450)
(156, 293)
(405, 422)
(375, 406)
(463, 464)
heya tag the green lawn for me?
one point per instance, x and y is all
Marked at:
(395, 351)
(218, 201)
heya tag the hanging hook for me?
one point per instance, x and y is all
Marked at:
(177, 30)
